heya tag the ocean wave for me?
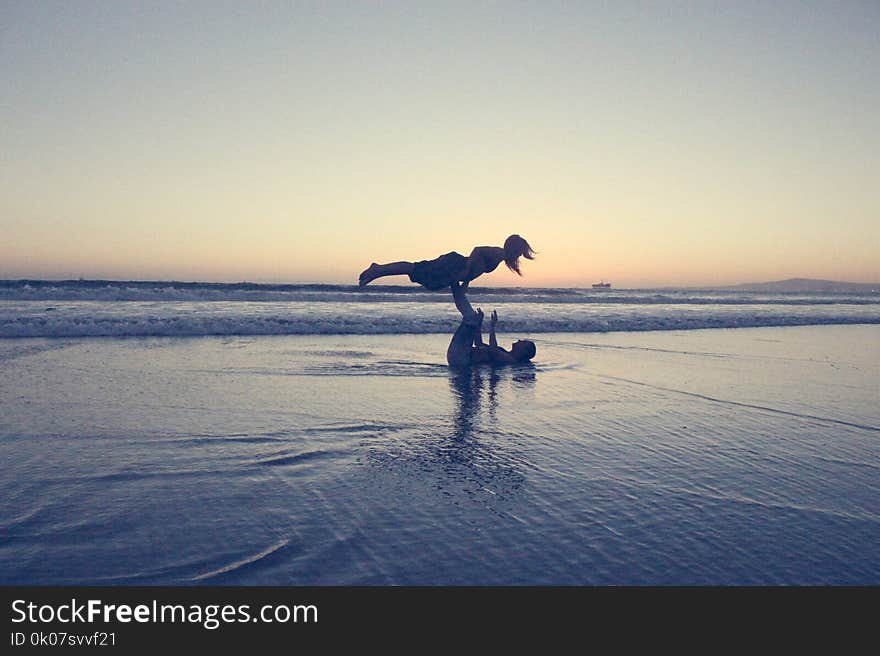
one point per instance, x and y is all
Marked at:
(138, 291)
(59, 326)
(58, 309)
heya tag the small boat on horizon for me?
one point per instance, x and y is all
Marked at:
(602, 285)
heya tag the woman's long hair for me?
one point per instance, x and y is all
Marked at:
(514, 248)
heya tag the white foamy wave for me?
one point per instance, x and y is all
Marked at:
(138, 291)
(185, 320)
(39, 308)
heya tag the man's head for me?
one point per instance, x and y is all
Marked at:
(523, 350)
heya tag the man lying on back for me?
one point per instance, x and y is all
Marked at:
(467, 346)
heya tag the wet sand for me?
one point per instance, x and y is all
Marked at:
(735, 456)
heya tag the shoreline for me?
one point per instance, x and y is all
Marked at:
(525, 334)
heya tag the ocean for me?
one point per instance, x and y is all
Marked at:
(55, 309)
(248, 434)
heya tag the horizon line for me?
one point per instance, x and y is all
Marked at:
(588, 286)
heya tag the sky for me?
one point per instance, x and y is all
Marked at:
(642, 143)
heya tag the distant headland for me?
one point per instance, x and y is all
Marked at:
(808, 285)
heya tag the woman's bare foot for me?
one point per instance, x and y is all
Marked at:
(368, 275)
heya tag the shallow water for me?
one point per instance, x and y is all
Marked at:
(748, 456)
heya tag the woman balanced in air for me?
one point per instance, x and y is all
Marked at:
(453, 267)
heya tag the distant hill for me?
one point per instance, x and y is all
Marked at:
(808, 285)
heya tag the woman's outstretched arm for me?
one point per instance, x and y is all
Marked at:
(479, 261)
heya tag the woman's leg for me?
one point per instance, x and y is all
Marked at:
(379, 270)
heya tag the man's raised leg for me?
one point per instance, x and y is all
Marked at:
(459, 352)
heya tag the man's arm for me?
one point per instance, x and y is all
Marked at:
(496, 353)
(478, 338)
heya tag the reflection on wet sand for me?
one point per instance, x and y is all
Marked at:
(471, 452)
(467, 389)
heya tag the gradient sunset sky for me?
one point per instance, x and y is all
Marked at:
(645, 143)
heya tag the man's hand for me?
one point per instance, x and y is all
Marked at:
(494, 318)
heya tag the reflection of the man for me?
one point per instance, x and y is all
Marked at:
(481, 453)
(467, 390)
(475, 452)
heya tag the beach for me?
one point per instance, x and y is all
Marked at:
(727, 456)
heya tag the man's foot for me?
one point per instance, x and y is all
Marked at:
(368, 275)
